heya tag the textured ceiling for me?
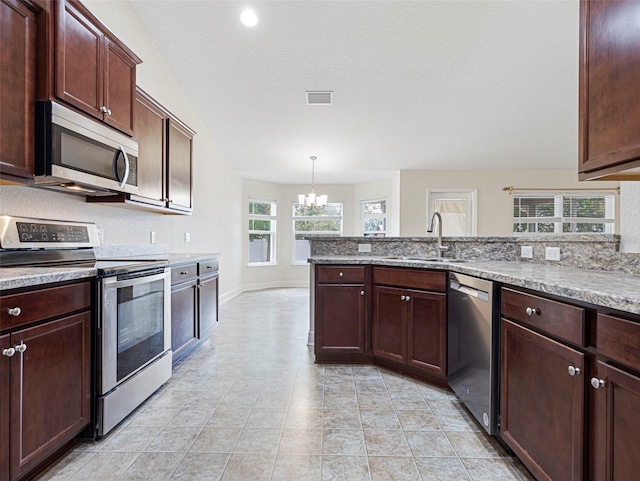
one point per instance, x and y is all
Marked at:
(417, 85)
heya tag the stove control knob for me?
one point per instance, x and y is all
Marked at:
(8, 352)
(14, 311)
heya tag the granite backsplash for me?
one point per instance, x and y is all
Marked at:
(599, 252)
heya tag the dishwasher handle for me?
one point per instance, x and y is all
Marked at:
(470, 291)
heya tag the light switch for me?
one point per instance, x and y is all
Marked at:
(526, 252)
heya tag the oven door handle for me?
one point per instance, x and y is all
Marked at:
(113, 283)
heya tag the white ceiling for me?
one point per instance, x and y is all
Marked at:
(417, 84)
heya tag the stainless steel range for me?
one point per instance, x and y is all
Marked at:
(133, 310)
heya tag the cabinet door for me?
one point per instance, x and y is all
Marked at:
(542, 405)
(50, 389)
(119, 87)
(17, 90)
(150, 132)
(609, 79)
(184, 318)
(617, 425)
(340, 319)
(4, 409)
(79, 60)
(389, 323)
(427, 332)
(179, 167)
(207, 305)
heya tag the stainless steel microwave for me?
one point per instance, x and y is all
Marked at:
(78, 155)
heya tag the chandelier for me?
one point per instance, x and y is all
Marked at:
(312, 200)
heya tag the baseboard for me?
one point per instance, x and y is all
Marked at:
(227, 296)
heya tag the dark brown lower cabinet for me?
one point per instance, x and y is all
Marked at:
(4, 408)
(617, 424)
(542, 405)
(207, 304)
(184, 318)
(340, 311)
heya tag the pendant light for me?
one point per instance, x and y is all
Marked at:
(311, 200)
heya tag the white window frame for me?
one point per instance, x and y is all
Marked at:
(364, 216)
(558, 219)
(295, 218)
(470, 195)
(272, 232)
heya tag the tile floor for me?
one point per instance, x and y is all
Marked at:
(250, 405)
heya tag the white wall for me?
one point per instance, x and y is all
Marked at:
(495, 207)
(216, 224)
(630, 216)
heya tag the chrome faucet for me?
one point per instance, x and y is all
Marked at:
(440, 248)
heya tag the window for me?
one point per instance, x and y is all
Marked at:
(560, 213)
(310, 222)
(373, 217)
(457, 209)
(262, 232)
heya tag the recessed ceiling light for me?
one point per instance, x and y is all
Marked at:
(248, 17)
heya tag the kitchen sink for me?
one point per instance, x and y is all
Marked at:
(427, 259)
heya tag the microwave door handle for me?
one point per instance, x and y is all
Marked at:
(126, 167)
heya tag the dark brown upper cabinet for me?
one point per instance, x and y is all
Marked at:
(609, 97)
(88, 67)
(18, 35)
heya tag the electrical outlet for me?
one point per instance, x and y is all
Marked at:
(526, 252)
(152, 237)
(187, 237)
(552, 253)
(101, 236)
(364, 247)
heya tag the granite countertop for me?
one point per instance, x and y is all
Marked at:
(609, 289)
(17, 277)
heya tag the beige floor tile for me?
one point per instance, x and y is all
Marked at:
(375, 400)
(392, 468)
(153, 466)
(258, 441)
(154, 416)
(345, 468)
(190, 416)
(229, 416)
(300, 441)
(491, 470)
(215, 440)
(130, 438)
(174, 439)
(429, 443)
(297, 468)
(456, 420)
(64, 468)
(442, 469)
(245, 467)
(343, 441)
(341, 419)
(418, 419)
(379, 419)
(200, 467)
(386, 443)
(104, 466)
(474, 445)
(266, 418)
(303, 418)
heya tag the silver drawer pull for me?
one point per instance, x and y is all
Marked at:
(14, 311)
(402, 298)
(573, 371)
(341, 274)
(531, 311)
(8, 352)
(407, 298)
(597, 383)
(184, 273)
(21, 347)
(362, 293)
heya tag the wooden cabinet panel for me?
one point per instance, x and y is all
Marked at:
(609, 109)
(617, 425)
(427, 332)
(537, 388)
(4, 409)
(389, 324)
(50, 389)
(556, 318)
(411, 278)
(341, 316)
(18, 33)
(208, 305)
(47, 303)
(79, 60)
(184, 318)
(184, 272)
(179, 167)
(119, 87)
(619, 340)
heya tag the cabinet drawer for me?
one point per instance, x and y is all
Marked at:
(183, 273)
(619, 340)
(555, 318)
(340, 274)
(208, 268)
(411, 278)
(44, 304)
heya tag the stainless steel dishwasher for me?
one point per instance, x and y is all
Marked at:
(473, 344)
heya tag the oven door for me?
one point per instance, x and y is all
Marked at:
(136, 324)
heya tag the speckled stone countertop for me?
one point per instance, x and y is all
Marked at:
(17, 277)
(616, 290)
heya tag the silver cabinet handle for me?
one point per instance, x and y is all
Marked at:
(531, 311)
(21, 347)
(8, 352)
(402, 298)
(408, 298)
(108, 111)
(103, 109)
(341, 274)
(362, 293)
(14, 311)
(184, 273)
(597, 383)
(573, 370)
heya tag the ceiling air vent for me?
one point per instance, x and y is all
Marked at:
(320, 98)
